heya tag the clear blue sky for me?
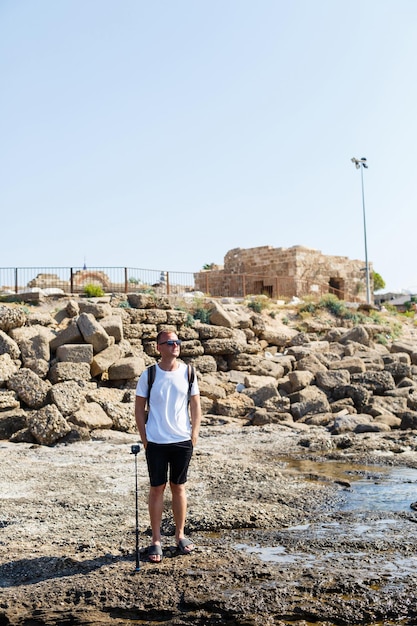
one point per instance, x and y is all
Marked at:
(161, 134)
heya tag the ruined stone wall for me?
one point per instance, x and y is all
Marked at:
(285, 272)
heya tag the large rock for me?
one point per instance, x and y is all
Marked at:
(126, 369)
(104, 359)
(30, 388)
(261, 394)
(11, 317)
(61, 371)
(91, 416)
(97, 309)
(7, 368)
(122, 416)
(377, 382)
(219, 316)
(353, 365)
(68, 396)
(48, 425)
(310, 401)
(328, 380)
(11, 422)
(350, 423)
(358, 334)
(8, 346)
(113, 325)
(93, 332)
(235, 405)
(75, 353)
(70, 334)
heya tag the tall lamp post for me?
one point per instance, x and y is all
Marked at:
(360, 164)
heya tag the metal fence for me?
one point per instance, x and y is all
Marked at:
(110, 279)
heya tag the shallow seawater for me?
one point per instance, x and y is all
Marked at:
(368, 487)
(365, 493)
(394, 490)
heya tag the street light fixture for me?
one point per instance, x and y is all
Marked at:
(360, 164)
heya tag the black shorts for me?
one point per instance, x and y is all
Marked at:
(176, 456)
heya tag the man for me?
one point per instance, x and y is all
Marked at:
(168, 435)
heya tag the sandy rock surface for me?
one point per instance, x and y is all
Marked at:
(276, 543)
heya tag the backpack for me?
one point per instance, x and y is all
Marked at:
(151, 378)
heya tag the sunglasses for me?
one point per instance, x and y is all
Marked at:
(171, 342)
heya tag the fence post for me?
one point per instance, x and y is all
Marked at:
(72, 280)
(15, 280)
(244, 285)
(125, 279)
(167, 283)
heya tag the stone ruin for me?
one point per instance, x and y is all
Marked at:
(284, 273)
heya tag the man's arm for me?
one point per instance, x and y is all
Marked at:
(195, 414)
(140, 416)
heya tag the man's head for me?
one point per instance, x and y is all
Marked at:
(168, 343)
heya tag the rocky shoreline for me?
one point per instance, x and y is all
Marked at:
(268, 485)
(275, 545)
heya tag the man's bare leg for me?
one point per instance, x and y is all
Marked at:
(156, 507)
(179, 510)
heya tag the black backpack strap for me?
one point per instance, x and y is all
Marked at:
(151, 378)
(191, 376)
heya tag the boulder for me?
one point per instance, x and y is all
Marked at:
(68, 396)
(48, 425)
(127, 368)
(91, 416)
(9, 346)
(30, 388)
(70, 334)
(93, 332)
(61, 371)
(7, 368)
(11, 317)
(75, 353)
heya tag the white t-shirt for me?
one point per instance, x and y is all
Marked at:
(168, 419)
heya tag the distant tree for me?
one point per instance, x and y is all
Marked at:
(379, 282)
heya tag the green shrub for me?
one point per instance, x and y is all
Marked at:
(190, 320)
(333, 305)
(93, 291)
(307, 307)
(258, 303)
(203, 315)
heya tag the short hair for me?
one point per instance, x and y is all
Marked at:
(164, 332)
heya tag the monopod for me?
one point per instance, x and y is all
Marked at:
(135, 449)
